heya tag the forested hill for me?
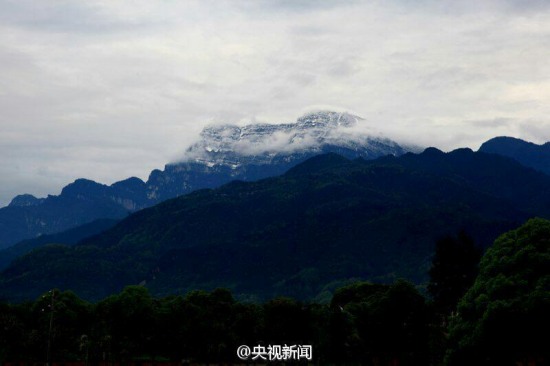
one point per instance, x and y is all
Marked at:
(527, 153)
(301, 234)
(69, 237)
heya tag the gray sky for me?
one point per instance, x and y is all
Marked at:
(111, 89)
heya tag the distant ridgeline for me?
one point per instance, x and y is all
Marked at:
(301, 234)
(527, 153)
(224, 153)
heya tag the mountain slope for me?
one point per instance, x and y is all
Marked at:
(527, 153)
(69, 237)
(224, 153)
(80, 202)
(328, 219)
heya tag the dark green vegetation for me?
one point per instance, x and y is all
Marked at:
(527, 153)
(505, 316)
(321, 224)
(454, 268)
(69, 237)
(502, 319)
(364, 322)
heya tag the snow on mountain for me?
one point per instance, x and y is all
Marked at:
(233, 145)
(255, 151)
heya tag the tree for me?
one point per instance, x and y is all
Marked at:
(13, 340)
(504, 317)
(380, 324)
(127, 318)
(454, 269)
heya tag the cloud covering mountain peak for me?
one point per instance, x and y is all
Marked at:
(229, 143)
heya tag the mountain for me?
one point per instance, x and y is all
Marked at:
(230, 152)
(222, 154)
(80, 202)
(527, 153)
(325, 221)
(69, 237)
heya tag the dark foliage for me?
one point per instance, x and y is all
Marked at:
(454, 269)
(504, 317)
(379, 325)
(502, 320)
(389, 324)
(68, 237)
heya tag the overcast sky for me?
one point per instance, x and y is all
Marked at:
(111, 89)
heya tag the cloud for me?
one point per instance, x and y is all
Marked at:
(105, 90)
(317, 127)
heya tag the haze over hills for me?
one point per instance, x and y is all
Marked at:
(527, 153)
(324, 222)
(224, 153)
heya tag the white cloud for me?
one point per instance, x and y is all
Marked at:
(105, 90)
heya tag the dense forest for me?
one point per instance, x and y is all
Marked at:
(494, 313)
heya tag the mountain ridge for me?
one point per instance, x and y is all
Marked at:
(528, 153)
(223, 154)
(329, 219)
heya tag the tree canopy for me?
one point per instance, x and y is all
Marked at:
(504, 317)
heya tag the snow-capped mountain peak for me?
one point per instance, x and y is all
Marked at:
(230, 144)
(328, 119)
(255, 151)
